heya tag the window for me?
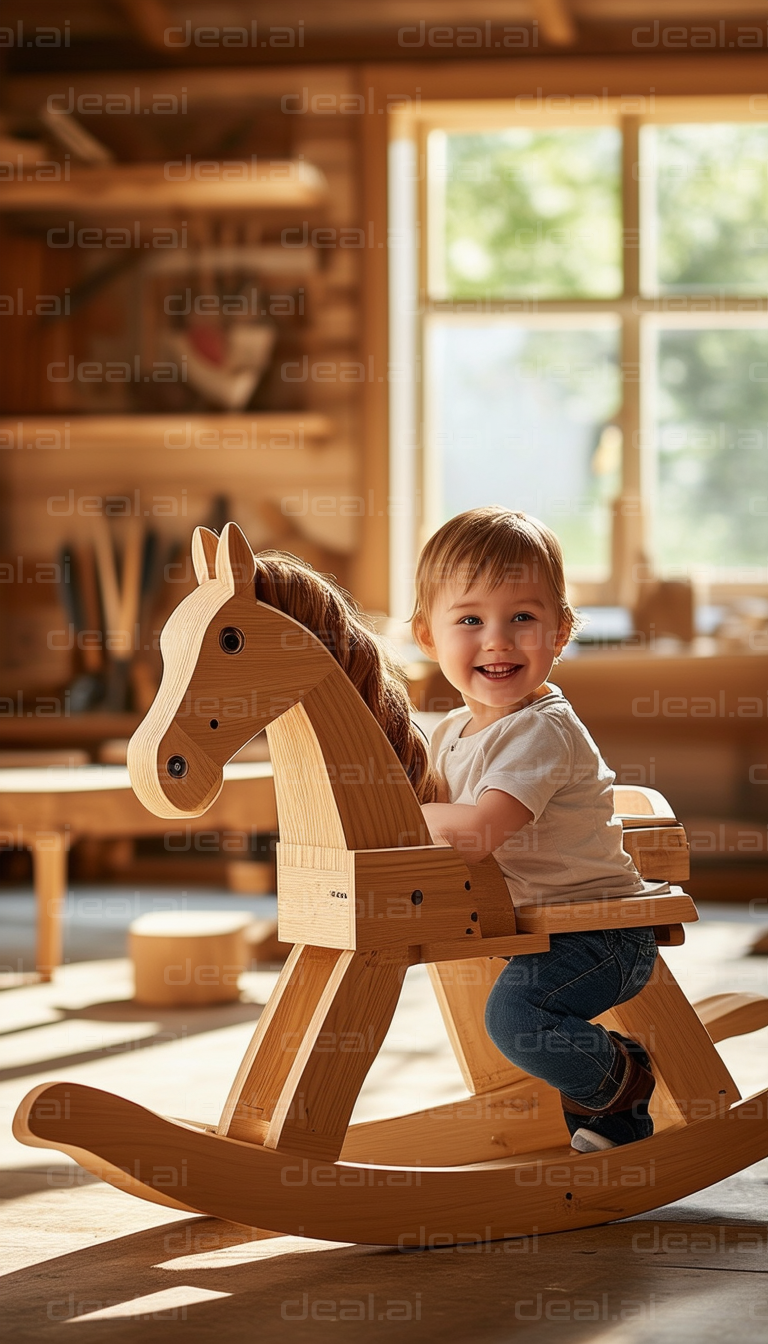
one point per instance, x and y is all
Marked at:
(584, 333)
(521, 414)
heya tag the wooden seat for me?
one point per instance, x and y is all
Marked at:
(611, 912)
(363, 894)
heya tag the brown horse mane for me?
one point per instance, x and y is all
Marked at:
(320, 603)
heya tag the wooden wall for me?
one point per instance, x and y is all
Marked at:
(332, 363)
(292, 470)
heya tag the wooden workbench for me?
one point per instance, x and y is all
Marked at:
(46, 810)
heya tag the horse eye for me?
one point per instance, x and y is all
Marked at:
(231, 639)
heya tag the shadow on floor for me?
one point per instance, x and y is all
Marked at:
(173, 1024)
(639, 1281)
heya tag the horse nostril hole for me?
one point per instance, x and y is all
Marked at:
(231, 639)
(214, 723)
(177, 767)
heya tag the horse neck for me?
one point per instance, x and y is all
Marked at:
(338, 781)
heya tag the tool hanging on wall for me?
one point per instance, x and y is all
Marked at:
(120, 601)
(143, 679)
(77, 594)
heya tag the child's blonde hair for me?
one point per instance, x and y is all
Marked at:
(491, 545)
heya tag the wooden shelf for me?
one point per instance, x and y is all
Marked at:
(57, 471)
(267, 184)
(274, 448)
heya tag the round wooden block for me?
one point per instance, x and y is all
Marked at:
(188, 956)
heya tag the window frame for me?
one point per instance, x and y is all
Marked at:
(641, 314)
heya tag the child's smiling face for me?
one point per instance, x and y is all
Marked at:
(496, 647)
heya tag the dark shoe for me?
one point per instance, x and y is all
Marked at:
(626, 1119)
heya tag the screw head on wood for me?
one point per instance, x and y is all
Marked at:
(177, 767)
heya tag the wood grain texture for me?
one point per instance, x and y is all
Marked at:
(146, 187)
(188, 957)
(362, 887)
(523, 1116)
(617, 912)
(333, 1057)
(48, 810)
(691, 1078)
(544, 1191)
(658, 852)
(636, 803)
(49, 862)
(283, 1024)
(462, 990)
(726, 1015)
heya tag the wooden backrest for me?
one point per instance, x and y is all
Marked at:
(645, 807)
(653, 836)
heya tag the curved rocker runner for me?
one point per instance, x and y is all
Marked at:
(363, 894)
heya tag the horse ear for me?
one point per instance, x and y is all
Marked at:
(235, 563)
(205, 544)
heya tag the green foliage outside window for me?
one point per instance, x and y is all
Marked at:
(712, 432)
(537, 214)
(533, 214)
(711, 188)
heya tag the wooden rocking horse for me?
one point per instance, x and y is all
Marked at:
(363, 894)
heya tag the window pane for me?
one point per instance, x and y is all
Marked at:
(526, 213)
(712, 443)
(705, 214)
(519, 416)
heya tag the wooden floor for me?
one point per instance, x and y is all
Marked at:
(75, 1252)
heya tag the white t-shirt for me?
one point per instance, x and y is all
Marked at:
(544, 756)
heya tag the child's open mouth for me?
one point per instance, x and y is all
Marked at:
(499, 671)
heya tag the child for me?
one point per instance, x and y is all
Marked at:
(521, 777)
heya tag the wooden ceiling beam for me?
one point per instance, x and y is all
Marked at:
(556, 22)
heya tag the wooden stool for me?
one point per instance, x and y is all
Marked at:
(188, 956)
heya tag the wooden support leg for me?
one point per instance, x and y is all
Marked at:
(314, 1044)
(333, 1059)
(270, 1055)
(462, 989)
(49, 860)
(692, 1082)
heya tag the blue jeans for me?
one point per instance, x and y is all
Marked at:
(538, 1012)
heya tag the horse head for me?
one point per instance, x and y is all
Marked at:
(231, 665)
